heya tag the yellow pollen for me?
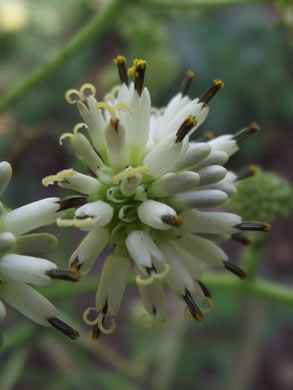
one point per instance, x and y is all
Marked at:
(267, 227)
(129, 173)
(190, 74)
(137, 64)
(218, 83)
(253, 169)
(119, 60)
(112, 109)
(190, 121)
(209, 135)
(255, 126)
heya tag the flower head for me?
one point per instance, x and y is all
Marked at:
(149, 194)
(21, 257)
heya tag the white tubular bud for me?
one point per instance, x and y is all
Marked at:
(35, 244)
(224, 143)
(112, 283)
(88, 250)
(191, 262)
(129, 184)
(5, 176)
(7, 241)
(164, 155)
(153, 213)
(214, 158)
(143, 250)
(173, 183)
(195, 153)
(96, 123)
(32, 216)
(211, 174)
(198, 199)
(27, 301)
(26, 269)
(82, 146)
(210, 222)
(203, 249)
(69, 178)
(115, 142)
(153, 298)
(2, 311)
(101, 213)
(178, 278)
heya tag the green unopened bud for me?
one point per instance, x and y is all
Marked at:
(262, 197)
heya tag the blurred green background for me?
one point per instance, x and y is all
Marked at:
(243, 343)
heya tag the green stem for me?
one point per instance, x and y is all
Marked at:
(267, 290)
(197, 3)
(253, 253)
(14, 367)
(90, 31)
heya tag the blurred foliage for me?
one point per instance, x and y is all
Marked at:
(240, 45)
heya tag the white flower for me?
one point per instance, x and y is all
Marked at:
(150, 193)
(21, 257)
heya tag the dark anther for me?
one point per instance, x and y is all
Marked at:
(151, 269)
(235, 270)
(205, 290)
(246, 132)
(63, 274)
(241, 238)
(192, 306)
(173, 220)
(74, 201)
(154, 310)
(64, 328)
(254, 226)
(95, 333)
(211, 91)
(120, 61)
(186, 83)
(245, 172)
(185, 128)
(138, 68)
(75, 265)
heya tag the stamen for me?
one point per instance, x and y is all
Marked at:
(87, 90)
(205, 290)
(173, 220)
(241, 238)
(78, 127)
(72, 96)
(112, 109)
(75, 222)
(254, 226)
(246, 172)
(207, 136)
(192, 306)
(74, 201)
(86, 314)
(153, 276)
(75, 266)
(100, 324)
(210, 93)
(235, 270)
(185, 128)
(138, 68)
(95, 333)
(62, 274)
(186, 83)
(60, 177)
(246, 132)
(210, 307)
(64, 136)
(128, 173)
(64, 328)
(120, 61)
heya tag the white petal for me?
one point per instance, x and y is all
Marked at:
(153, 298)
(151, 212)
(214, 158)
(212, 174)
(89, 249)
(5, 175)
(164, 155)
(203, 249)
(116, 147)
(173, 183)
(224, 143)
(190, 261)
(100, 212)
(112, 283)
(27, 301)
(198, 199)
(209, 222)
(26, 268)
(196, 152)
(129, 184)
(7, 241)
(32, 216)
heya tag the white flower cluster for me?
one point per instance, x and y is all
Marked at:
(20, 261)
(148, 195)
